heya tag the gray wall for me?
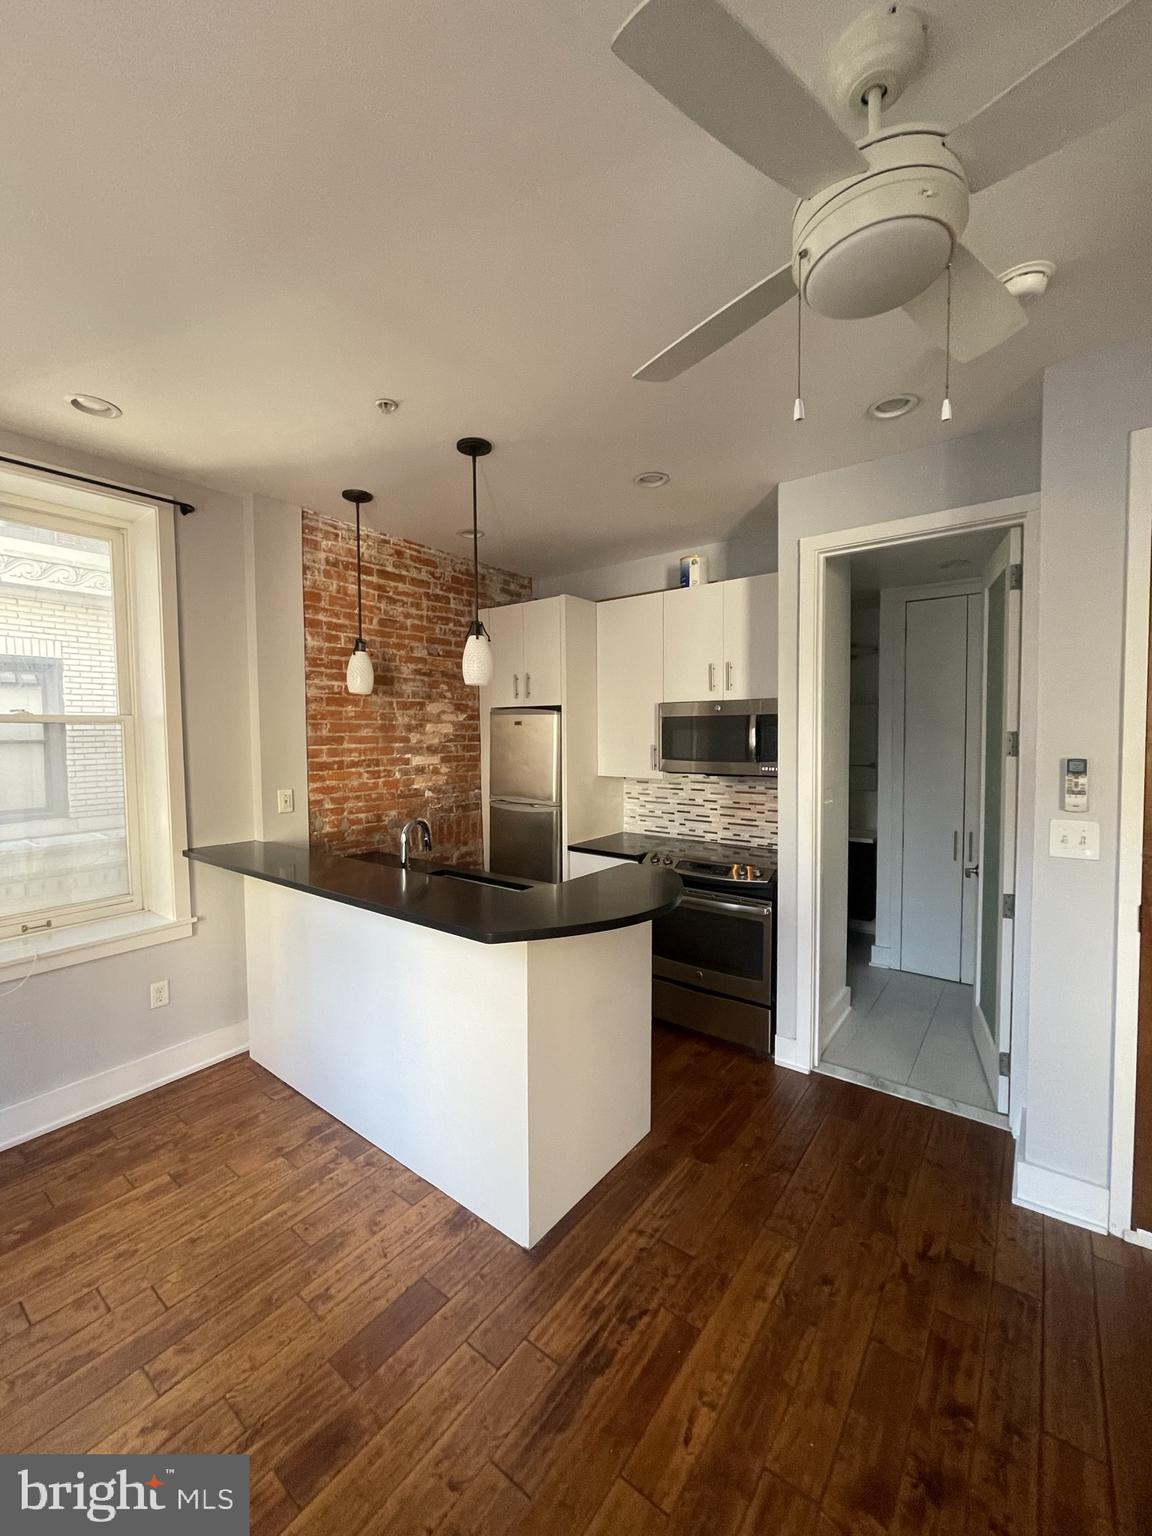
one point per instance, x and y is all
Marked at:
(72, 1023)
(1091, 404)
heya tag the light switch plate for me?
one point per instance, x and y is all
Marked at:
(1074, 839)
(285, 801)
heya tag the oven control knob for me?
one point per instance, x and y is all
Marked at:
(653, 858)
(669, 860)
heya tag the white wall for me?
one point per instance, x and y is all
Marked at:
(275, 597)
(73, 1023)
(1091, 404)
(749, 551)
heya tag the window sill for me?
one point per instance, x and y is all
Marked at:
(37, 953)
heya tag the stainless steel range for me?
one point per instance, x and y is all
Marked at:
(713, 958)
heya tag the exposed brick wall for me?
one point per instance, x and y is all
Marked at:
(412, 748)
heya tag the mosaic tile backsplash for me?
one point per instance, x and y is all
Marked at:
(701, 806)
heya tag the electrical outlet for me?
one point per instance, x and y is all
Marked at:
(158, 994)
(285, 801)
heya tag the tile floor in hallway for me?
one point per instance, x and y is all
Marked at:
(910, 1030)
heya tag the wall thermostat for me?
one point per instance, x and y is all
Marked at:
(1074, 791)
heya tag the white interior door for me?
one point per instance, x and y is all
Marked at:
(935, 710)
(973, 749)
(992, 993)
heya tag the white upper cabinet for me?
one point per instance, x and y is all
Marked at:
(751, 615)
(506, 627)
(694, 643)
(526, 654)
(543, 652)
(629, 684)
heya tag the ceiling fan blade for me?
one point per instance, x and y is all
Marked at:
(707, 63)
(984, 313)
(719, 329)
(1098, 77)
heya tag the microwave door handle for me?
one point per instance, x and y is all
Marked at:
(753, 737)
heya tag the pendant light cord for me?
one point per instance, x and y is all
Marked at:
(359, 589)
(475, 548)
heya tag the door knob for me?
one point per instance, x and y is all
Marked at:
(971, 869)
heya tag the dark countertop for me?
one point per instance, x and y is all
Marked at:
(616, 898)
(637, 845)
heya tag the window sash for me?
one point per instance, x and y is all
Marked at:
(68, 914)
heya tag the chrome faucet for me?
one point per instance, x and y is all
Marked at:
(418, 824)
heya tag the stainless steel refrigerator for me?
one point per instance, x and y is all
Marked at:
(524, 817)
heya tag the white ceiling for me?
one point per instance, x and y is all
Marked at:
(243, 222)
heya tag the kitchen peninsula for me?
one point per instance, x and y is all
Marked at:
(492, 1035)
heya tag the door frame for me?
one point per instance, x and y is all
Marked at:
(1134, 723)
(890, 755)
(814, 553)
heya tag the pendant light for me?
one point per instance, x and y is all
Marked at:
(476, 663)
(361, 678)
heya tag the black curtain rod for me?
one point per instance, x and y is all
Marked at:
(183, 507)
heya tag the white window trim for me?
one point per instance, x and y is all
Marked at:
(161, 878)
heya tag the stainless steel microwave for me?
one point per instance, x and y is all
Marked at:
(732, 736)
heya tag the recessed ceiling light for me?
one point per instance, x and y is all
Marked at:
(651, 478)
(387, 406)
(892, 406)
(93, 405)
(466, 533)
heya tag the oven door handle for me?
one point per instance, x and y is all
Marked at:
(759, 909)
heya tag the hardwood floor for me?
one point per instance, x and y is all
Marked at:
(798, 1307)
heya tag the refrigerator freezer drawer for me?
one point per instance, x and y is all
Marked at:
(524, 840)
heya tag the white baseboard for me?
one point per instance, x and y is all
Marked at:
(786, 1053)
(834, 1016)
(61, 1106)
(881, 957)
(1062, 1196)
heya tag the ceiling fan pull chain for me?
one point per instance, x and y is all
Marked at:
(798, 403)
(946, 407)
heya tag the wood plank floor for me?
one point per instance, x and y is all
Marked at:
(798, 1307)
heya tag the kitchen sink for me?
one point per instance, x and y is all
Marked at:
(475, 877)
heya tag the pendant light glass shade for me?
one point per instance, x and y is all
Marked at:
(360, 677)
(476, 662)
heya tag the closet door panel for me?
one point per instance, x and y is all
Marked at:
(935, 707)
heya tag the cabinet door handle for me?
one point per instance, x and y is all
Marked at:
(653, 754)
(728, 676)
(515, 685)
(971, 835)
(711, 677)
(955, 846)
(527, 685)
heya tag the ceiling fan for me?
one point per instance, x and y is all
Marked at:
(879, 221)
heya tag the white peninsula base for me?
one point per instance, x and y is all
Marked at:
(510, 1076)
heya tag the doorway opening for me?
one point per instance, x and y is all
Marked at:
(919, 766)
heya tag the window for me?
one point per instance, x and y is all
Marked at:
(91, 782)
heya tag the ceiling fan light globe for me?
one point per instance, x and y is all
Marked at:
(878, 268)
(476, 662)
